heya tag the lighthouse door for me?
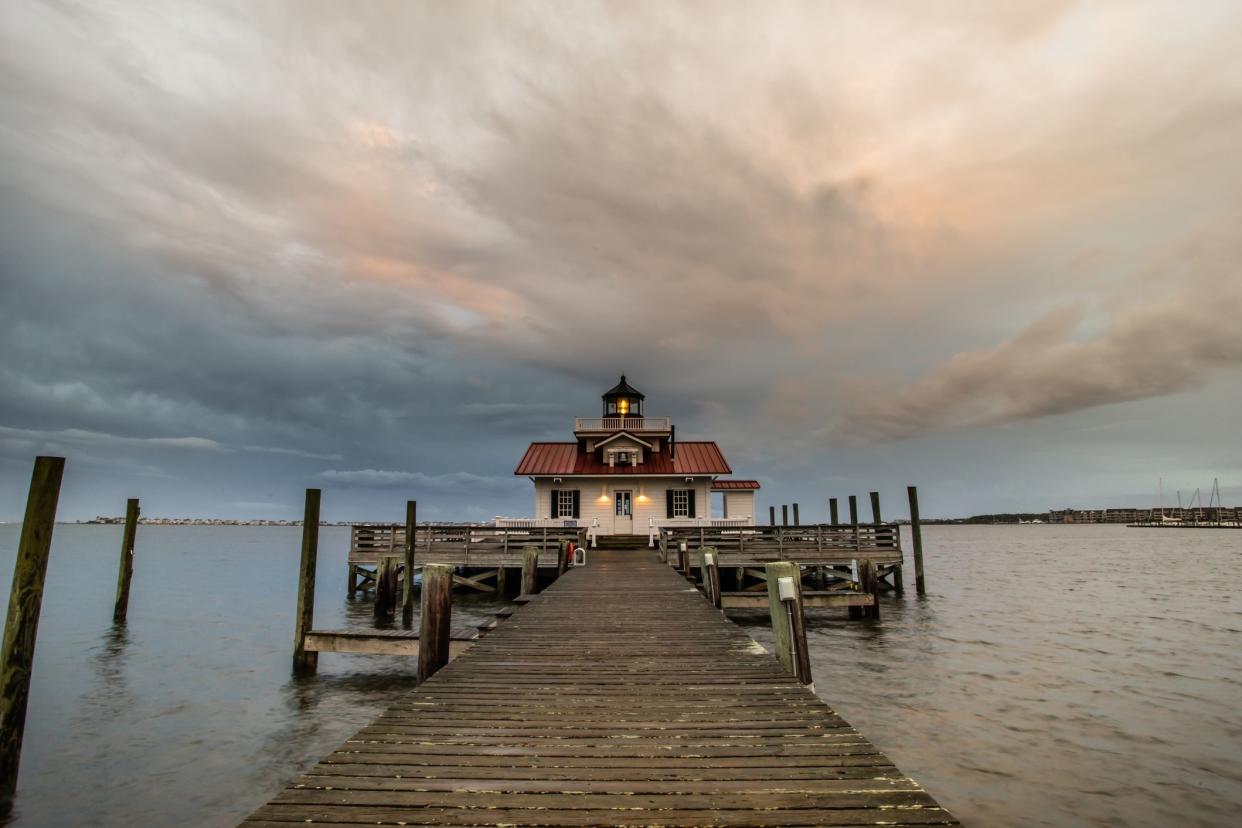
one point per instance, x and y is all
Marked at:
(623, 514)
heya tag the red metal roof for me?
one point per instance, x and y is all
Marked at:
(728, 485)
(565, 459)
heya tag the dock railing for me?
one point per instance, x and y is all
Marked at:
(816, 544)
(461, 545)
(656, 525)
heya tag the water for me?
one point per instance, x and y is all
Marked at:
(1055, 675)
(1076, 675)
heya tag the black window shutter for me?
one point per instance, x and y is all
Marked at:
(556, 497)
(690, 498)
(668, 503)
(577, 502)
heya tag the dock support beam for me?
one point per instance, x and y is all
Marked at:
(22, 623)
(407, 597)
(436, 612)
(305, 661)
(530, 570)
(126, 570)
(833, 518)
(788, 628)
(916, 535)
(869, 584)
(386, 587)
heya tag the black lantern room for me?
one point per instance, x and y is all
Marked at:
(623, 400)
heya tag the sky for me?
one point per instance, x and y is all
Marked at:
(989, 249)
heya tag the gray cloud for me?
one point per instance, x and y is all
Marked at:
(410, 237)
(453, 483)
(1157, 347)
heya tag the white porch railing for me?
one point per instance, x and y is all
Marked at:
(592, 526)
(621, 423)
(654, 525)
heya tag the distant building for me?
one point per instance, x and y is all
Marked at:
(626, 472)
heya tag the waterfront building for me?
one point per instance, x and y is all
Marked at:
(626, 473)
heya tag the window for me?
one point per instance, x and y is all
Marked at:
(681, 503)
(565, 503)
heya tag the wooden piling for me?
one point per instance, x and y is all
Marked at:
(797, 520)
(307, 660)
(502, 582)
(709, 572)
(411, 532)
(788, 627)
(832, 512)
(562, 557)
(22, 624)
(771, 515)
(869, 584)
(854, 511)
(683, 558)
(436, 612)
(916, 535)
(875, 508)
(386, 587)
(784, 514)
(125, 572)
(530, 570)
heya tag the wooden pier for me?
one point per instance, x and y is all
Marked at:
(617, 696)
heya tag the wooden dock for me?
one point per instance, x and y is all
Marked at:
(618, 696)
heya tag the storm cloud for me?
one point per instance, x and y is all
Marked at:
(376, 247)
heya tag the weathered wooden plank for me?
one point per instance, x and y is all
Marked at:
(617, 696)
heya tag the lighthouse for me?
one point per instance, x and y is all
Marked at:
(626, 473)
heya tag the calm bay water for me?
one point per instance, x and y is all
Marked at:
(1053, 676)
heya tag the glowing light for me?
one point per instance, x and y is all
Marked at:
(623, 406)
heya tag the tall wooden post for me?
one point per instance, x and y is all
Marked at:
(916, 535)
(784, 514)
(530, 570)
(436, 613)
(853, 510)
(411, 531)
(126, 571)
(307, 660)
(771, 515)
(797, 520)
(832, 512)
(22, 623)
(788, 627)
(875, 508)
(562, 557)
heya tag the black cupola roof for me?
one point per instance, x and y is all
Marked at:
(624, 389)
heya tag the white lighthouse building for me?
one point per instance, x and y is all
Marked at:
(625, 473)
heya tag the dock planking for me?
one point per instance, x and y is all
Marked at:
(618, 696)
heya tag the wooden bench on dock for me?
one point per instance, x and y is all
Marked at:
(617, 698)
(482, 552)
